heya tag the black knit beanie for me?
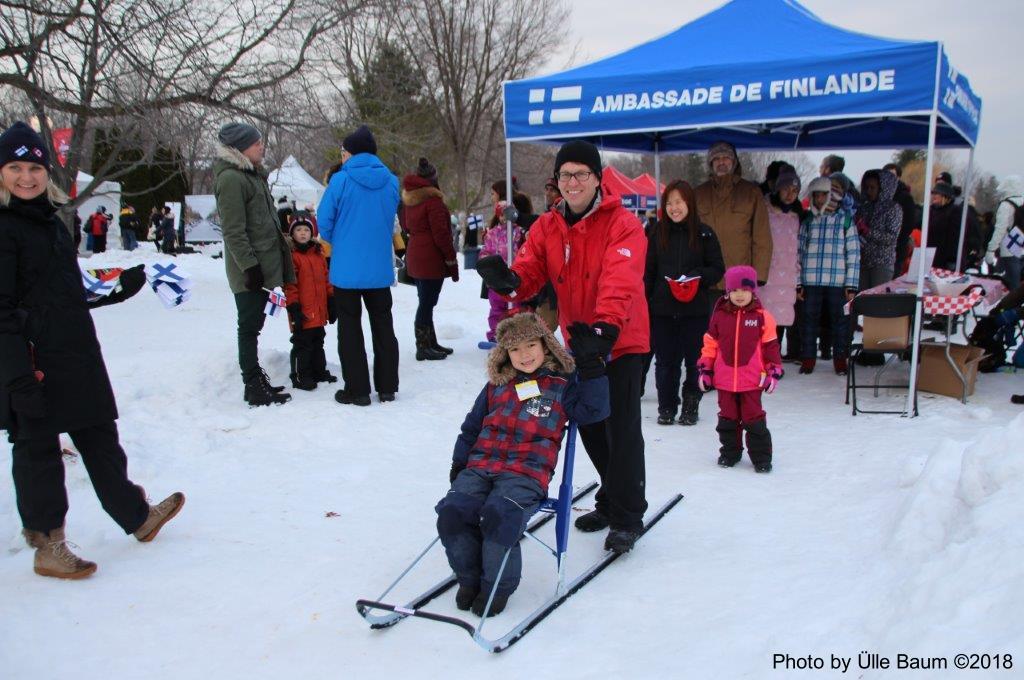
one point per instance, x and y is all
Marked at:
(360, 141)
(579, 151)
(426, 171)
(21, 143)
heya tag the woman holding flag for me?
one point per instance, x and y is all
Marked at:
(52, 375)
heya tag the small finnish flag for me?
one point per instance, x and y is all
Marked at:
(474, 222)
(1014, 241)
(97, 286)
(276, 301)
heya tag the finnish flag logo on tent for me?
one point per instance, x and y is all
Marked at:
(565, 97)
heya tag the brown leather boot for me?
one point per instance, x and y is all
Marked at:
(54, 557)
(159, 515)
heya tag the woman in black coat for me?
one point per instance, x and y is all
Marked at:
(679, 245)
(52, 376)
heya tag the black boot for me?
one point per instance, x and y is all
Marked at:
(620, 540)
(276, 389)
(300, 379)
(759, 445)
(465, 596)
(497, 606)
(691, 404)
(423, 348)
(258, 392)
(433, 341)
(731, 437)
(595, 520)
(666, 417)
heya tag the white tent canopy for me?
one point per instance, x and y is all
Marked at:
(108, 195)
(293, 182)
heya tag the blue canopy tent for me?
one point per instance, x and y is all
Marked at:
(762, 74)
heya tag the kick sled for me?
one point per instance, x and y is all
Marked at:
(560, 509)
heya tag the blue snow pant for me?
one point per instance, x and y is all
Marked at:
(482, 516)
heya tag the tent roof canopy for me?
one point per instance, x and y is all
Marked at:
(762, 74)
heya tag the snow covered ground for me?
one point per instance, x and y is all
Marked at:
(875, 533)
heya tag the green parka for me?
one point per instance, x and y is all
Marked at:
(248, 220)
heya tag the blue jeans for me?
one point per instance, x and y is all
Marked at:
(1012, 268)
(428, 291)
(483, 515)
(815, 299)
(128, 240)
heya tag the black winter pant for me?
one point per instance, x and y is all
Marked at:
(616, 447)
(352, 348)
(676, 339)
(251, 315)
(99, 244)
(39, 479)
(308, 360)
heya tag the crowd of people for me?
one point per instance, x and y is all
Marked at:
(732, 280)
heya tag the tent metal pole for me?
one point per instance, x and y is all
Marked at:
(657, 174)
(963, 213)
(508, 197)
(916, 351)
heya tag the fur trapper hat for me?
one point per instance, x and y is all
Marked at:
(520, 328)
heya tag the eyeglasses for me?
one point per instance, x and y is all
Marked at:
(581, 176)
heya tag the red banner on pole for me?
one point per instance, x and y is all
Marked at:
(61, 144)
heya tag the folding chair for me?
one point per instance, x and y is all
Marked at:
(888, 330)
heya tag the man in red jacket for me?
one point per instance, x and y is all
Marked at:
(593, 251)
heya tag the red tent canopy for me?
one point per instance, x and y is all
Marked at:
(613, 181)
(646, 185)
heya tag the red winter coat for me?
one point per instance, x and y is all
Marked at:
(426, 219)
(741, 345)
(312, 289)
(597, 268)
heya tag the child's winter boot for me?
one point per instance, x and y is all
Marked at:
(759, 445)
(666, 417)
(807, 366)
(54, 557)
(731, 437)
(497, 606)
(840, 365)
(465, 597)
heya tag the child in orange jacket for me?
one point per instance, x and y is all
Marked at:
(741, 359)
(309, 308)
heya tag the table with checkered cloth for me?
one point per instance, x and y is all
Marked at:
(989, 290)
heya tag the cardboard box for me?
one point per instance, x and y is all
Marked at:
(886, 334)
(935, 374)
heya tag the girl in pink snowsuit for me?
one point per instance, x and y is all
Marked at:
(496, 243)
(741, 359)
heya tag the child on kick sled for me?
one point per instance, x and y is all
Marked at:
(741, 359)
(507, 451)
(310, 308)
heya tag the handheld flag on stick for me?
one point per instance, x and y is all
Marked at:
(276, 301)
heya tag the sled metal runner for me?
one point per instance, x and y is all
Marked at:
(561, 509)
(562, 593)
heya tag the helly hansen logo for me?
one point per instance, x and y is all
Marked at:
(750, 323)
(570, 95)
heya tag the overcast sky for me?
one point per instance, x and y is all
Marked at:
(983, 39)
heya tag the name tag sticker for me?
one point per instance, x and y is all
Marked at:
(527, 390)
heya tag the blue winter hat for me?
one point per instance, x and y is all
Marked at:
(21, 143)
(360, 141)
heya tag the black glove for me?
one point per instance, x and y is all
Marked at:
(590, 345)
(295, 314)
(332, 313)
(129, 283)
(456, 469)
(254, 278)
(27, 396)
(496, 275)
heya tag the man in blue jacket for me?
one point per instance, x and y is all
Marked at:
(357, 216)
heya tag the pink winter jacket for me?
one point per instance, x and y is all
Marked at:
(741, 346)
